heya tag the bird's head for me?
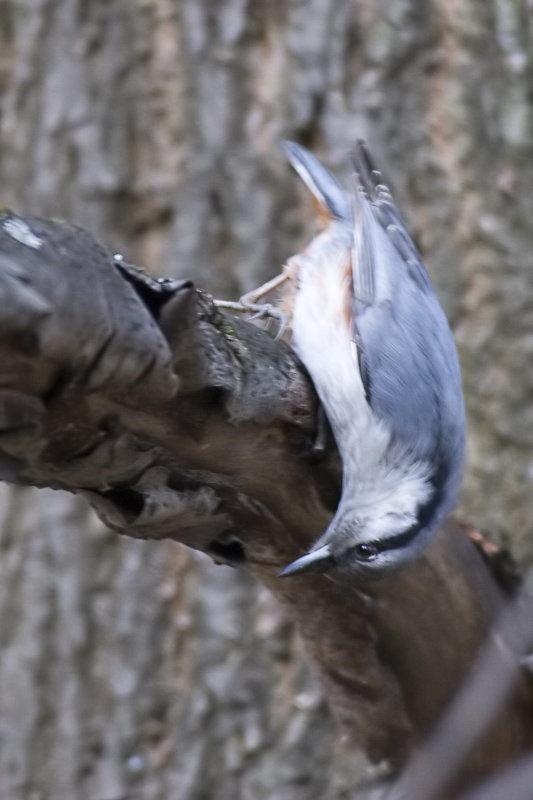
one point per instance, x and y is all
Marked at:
(369, 546)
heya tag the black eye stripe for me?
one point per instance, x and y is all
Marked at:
(399, 540)
(368, 551)
(424, 514)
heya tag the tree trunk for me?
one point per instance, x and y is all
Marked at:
(133, 668)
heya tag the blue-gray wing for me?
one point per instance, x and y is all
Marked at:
(407, 356)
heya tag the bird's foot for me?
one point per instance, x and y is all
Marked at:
(248, 304)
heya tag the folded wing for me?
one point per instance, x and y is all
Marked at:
(407, 356)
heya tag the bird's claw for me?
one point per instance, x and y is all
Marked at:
(257, 311)
(248, 303)
(269, 311)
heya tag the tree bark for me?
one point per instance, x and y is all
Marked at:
(177, 422)
(131, 666)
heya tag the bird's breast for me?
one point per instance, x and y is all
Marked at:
(323, 334)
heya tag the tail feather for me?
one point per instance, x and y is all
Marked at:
(330, 195)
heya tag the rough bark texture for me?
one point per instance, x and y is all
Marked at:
(177, 422)
(126, 666)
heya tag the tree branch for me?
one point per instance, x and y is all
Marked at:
(176, 421)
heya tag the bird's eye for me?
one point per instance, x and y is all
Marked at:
(366, 552)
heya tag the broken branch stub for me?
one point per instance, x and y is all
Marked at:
(173, 419)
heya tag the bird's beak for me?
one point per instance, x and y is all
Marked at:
(316, 561)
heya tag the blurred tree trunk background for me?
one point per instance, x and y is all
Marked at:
(137, 669)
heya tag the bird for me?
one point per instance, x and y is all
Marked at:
(371, 333)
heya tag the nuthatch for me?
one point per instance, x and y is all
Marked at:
(367, 325)
(369, 329)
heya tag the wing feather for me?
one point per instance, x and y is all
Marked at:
(407, 357)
